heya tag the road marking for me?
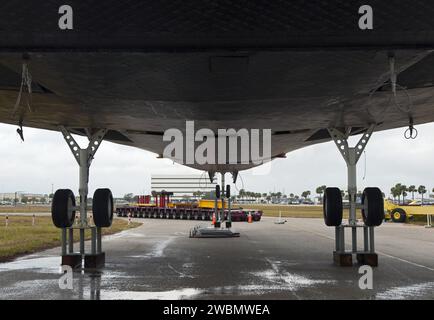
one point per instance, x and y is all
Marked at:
(407, 261)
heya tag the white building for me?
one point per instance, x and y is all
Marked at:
(19, 196)
(182, 186)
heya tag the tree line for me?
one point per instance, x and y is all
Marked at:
(401, 191)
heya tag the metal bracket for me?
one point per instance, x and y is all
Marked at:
(351, 155)
(94, 143)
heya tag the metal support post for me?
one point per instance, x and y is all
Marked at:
(223, 193)
(371, 240)
(365, 239)
(71, 240)
(229, 210)
(93, 240)
(64, 241)
(216, 208)
(337, 240)
(83, 186)
(354, 239)
(341, 239)
(82, 241)
(98, 240)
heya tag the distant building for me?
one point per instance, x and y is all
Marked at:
(182, 186)
(21, 197)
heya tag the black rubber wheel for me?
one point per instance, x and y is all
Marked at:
(102, 208)
(62, 208)
(332, 207)
(372, 207)
(398, 215)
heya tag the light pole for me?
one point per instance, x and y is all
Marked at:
(16, 198)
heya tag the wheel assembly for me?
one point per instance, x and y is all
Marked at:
(398, 215)
(332, 207)
(63, 208)
(102, 208)
(372, 207)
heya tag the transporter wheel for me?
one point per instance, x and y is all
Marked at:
(398, 215)
(102, 208)
(161, 216)
(188, 216)
(203, 216)
(62, 208)
(167, 215)
(332, 207)
(372, 207)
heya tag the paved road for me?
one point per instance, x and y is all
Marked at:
(292, 261)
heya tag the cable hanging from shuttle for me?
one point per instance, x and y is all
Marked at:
(25, 86)
(411, 132)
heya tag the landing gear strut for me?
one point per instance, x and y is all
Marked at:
(64, 208)
(372, 205)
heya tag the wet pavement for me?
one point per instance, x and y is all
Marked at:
(268, 261)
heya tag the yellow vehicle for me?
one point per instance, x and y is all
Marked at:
(400, 213)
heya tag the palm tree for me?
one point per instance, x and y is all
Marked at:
(305, 194)
(412, 190)
(394, 193)
(421, 190)
(398, 188)
(320, 190)
(242, 193)
(404, 190)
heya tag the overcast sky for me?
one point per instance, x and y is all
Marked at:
(44, 160)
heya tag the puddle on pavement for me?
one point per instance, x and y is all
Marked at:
(157, 250)
(408, 292)
(41, 264)
(187, 293)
